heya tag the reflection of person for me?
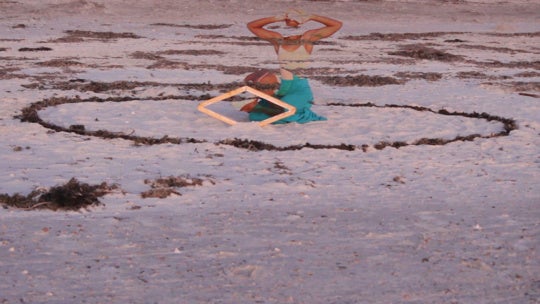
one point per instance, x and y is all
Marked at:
(289, 88)
(294, 51)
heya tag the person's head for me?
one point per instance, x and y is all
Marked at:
(263, 80)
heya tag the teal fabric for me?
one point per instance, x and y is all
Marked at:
(295, 92)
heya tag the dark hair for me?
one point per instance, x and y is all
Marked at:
(254, 80)
(257, 75)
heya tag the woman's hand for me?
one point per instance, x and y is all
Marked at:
(248, 107)
(292, 22)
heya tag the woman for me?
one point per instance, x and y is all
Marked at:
(294, 51)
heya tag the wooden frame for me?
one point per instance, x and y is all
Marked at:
(289, 110)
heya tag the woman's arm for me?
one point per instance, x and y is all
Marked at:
(257, 28)
(331, 26)
(267, 108)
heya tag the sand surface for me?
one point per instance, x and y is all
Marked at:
(422, 186)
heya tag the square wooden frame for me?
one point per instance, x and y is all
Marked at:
(289, 110)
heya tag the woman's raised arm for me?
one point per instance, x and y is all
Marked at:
(257, 28)
(331, 26)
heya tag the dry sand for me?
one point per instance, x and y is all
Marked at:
(421, 188)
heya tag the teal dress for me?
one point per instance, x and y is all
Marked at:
(295, 92)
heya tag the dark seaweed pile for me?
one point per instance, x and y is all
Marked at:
(71, 196)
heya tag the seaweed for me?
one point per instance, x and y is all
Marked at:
(71, 196)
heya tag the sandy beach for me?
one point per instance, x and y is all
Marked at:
(421, 187)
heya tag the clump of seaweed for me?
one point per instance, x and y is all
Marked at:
(81, 36)
(429, 76)
(165, 186)
(71, 196)
(36, 49)
(418, 51)
(359, 80)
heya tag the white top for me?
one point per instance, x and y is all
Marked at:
(297, 59)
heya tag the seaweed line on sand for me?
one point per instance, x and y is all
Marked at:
(30, 114)
(508, 125)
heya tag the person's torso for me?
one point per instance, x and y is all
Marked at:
(292, 60)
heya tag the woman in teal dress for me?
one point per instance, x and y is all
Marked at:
(289, 88)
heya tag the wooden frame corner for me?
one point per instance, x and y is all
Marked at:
(289, 109)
